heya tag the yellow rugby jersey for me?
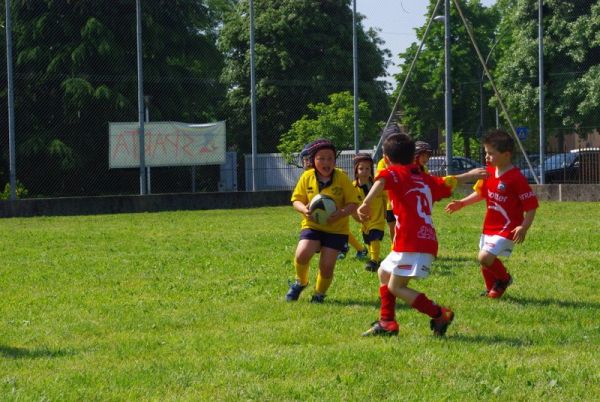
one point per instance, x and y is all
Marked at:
(378, 206)
(380, 166)
(340, 190)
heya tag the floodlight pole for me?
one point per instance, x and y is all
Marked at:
(447, 85)
(11, 104)
(355, 75)
(252, 95)
(541, 85)
(141, 134)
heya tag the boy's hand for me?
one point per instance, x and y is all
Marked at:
(454, 206)
(364, 212)
(519, 234)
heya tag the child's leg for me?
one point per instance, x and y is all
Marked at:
(326, 266)
(388, 300)
(354, 242)
(375, 250)
(493, 270)
(304, 252)
(399, 286)
(493, 265)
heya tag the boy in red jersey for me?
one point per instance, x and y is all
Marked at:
(412, 193)
(511, 207)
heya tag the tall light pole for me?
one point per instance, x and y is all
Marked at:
(447, 84)
(11, 104)
(355, 75)
(252, 95)
(541, 85)
(141, 134)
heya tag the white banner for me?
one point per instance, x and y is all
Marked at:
(166, 144)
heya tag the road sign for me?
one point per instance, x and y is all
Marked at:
(522, 132)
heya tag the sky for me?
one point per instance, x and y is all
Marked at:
(397, 20)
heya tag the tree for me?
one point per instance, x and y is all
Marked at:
(303, 53)
(422, 103)
(75, 68)
(333, 120)
(571, 64)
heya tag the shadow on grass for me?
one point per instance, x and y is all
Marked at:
(551, 302)
(490, 340)
(23, 353)
(375, 303)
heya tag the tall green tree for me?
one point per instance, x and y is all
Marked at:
(571, 63)
(303, 54)
(75, 69)
(422, 103)
(332, 120)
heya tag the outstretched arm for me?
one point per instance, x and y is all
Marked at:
(457, 205)
(472, 175)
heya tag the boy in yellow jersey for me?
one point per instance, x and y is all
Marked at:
(372, 229)
(329, 238)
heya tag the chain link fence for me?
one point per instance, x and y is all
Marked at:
(75, 73)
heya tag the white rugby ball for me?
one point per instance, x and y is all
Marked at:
(321, 207)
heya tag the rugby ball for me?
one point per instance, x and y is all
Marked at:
(321, 207)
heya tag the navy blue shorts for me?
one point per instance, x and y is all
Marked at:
(329, 240)
(373, 234)
(389, 216)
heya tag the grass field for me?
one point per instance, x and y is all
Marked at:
(190, 306)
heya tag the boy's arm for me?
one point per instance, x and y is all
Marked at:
(520, 232)
(364, 210)
(303, 209)
(457, 205)
(472, 175)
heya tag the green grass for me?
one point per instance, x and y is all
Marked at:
(189, 306)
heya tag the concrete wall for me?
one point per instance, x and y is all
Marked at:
(199, 201)
(137, 203)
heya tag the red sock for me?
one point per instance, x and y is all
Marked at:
(499, 270)
(388, 304)
(488, 277)
(426, 306)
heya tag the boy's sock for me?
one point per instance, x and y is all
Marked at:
(388, 304)
(301, 272)
(426, 306)
(355, 243)
(322, 284)
(488, 277)
(375, 250)
(499, 270)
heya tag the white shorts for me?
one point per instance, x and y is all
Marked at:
(408, 264)
(497, 245)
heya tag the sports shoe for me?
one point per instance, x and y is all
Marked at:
(341, 255)
(317, 298)
(499, 288)
(440, 324)
(362, 254)
(385, 328)
(372, 266)
(294, 293)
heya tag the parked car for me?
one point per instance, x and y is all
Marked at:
(576, 166)
(437, 165)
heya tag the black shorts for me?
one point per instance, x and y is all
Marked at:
(373, 234)
(389, 216)
(330, 240)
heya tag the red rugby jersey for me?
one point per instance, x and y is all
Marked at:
(412, 194)
(507, 198)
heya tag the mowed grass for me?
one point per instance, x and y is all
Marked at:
(190, 306)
